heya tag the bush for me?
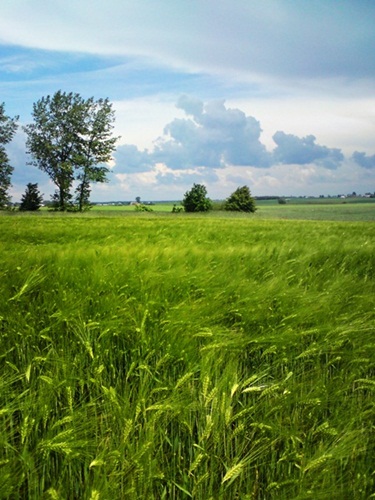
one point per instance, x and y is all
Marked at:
(281, 201)
(196, 199)
(142, 208)
(176, 209)
(240, 201)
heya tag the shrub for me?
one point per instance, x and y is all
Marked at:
(176, 209)
(240, 201)
(142, 208)
(196, 199)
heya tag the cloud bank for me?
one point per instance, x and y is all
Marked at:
(213, 136)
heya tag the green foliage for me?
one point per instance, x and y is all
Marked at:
(240, 201)
(140, 207)
(196, 199)
(176, 209)
(31, 200)
(191, 357)
(8, 127)
(70, 139)
(281, 201)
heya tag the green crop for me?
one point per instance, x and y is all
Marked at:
(186, 357)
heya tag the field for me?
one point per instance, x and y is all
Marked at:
(168, 356)
(356, 209)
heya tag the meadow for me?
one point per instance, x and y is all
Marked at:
(146, 356)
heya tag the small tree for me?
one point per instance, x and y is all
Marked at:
(196, 199)
(240, 201)
(32, 200)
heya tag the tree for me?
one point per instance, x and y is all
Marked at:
(32, 200)
(196, 199)
(96, 145)
(240, 201)
(70, 140)
(8, 127)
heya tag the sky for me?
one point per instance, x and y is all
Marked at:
(278, 95)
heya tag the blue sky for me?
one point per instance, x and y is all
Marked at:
(278, 95)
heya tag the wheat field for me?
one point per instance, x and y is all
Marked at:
(186, 357)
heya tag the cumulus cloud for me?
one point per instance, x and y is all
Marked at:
(301, 151)
(212, 136)
(130, 159)
(363, 160)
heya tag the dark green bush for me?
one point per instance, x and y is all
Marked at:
(240, 201)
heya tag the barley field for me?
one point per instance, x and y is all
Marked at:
(204, 357)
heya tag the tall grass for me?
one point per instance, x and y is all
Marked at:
(206, 358)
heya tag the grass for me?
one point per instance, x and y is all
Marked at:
(158, 207)
(319, 211)
(351, 209)
(186, 357)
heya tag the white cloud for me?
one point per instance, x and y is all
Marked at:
(292, 149)
(243, 37)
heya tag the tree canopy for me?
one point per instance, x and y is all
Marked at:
(240, 201)
(71, 140)
(196, 199)
(8, 127)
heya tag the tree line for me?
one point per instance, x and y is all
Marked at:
(70, 139)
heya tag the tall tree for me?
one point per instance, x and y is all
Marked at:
(69, 140)
(96, 146)
(8, 127)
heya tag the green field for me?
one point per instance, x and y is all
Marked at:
(357, 209)
(175, 356)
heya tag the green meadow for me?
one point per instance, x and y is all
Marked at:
(176, 356)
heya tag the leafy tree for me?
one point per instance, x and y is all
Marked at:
(196, 199)
(240, 201)
(8, 127)
(32, 200)
(70, 140)
(96, 146)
